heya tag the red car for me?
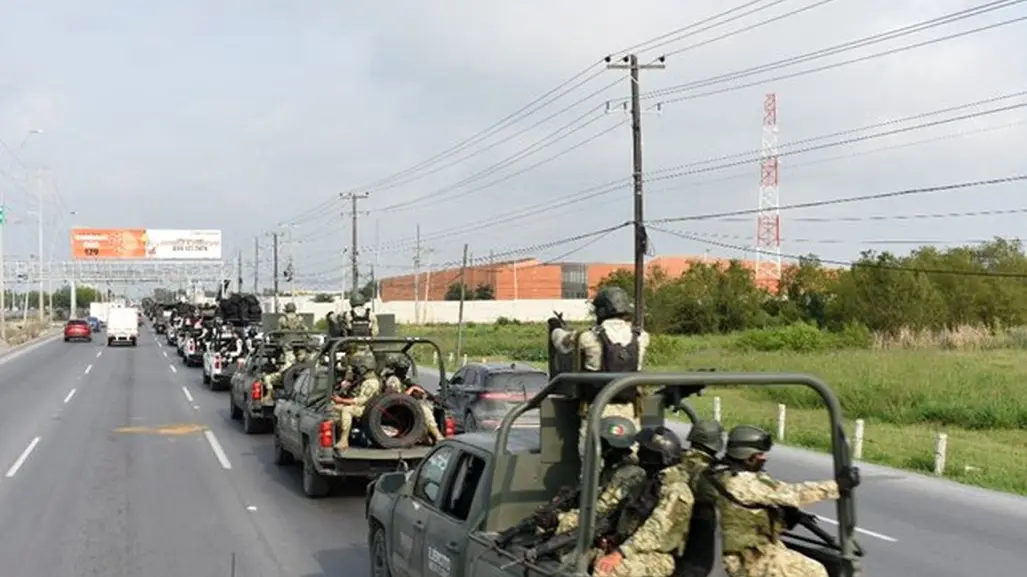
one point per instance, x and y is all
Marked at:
(77, 330)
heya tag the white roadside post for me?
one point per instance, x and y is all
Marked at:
(716, 409)
(781, 410)
(857, 440)
(940, 448)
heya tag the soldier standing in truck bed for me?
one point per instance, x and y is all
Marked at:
(613, 345)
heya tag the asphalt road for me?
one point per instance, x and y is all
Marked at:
(912, 524)
(83, 495)
(118, 462)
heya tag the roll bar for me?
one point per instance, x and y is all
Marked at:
(332, 346)
(685, 384)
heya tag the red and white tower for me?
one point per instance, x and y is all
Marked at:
(768, 219)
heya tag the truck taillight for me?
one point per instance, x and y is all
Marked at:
(217, 363)
(239, 363)
(192, 347)
(256, 391)
(326, 433)
(450, 426)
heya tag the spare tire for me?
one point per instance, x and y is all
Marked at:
(392, 411)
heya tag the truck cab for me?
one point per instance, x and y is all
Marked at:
(443, 517)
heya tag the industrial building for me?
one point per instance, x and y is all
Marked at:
(530, 278)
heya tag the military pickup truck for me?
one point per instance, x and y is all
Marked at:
(442, 519)
(388, 437)
(248, 398)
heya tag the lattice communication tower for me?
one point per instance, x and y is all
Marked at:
(768, 219)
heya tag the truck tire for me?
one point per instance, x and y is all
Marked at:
(315, 485)
(394, 411)
(379, 552)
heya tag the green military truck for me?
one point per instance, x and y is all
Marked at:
(247, 397)
(443, 518)
(388, 437)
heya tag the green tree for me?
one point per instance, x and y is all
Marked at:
(484, 292)
(453, 292)
(324, 298)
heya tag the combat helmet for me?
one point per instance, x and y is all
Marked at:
(707, 436)
(658, 447)
(357, 300)
(290, 307)
(398, 363)
(611, 302)
(745, 441)
(617, 432)
(363, 363)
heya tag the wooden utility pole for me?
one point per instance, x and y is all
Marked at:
(256, 265)
(274, 271)
(460, 314)
(641, 245)
(238, 287)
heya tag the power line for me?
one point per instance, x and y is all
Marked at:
(852, 264)
(851, 199)
(883, 217)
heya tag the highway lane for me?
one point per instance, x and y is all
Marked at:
(911, 524)
(84, 496)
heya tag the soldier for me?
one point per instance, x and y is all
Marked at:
(621, 473)
(706, 441)
(358, 321)
(349, 408)
(289, 357)
(291, 321)
(656, 518)
(752, 508)
(611, 346)
(397, 368)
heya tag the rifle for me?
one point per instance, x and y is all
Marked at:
(606, 539)
(545, 516)
(674, 396)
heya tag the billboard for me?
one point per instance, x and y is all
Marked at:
(145, 244)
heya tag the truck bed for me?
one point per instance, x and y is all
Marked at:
(357, 461)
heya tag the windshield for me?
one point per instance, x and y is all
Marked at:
(519, 383)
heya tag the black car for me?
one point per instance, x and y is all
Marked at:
(480, 394)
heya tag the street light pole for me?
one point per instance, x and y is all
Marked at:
(39, 214)
(4, 217)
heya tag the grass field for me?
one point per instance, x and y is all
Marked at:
(20, 333)
(905, 395)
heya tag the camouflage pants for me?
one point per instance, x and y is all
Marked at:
(626, 410)
(643, 565)
(776, 561)
(346, 414)
(429, 421)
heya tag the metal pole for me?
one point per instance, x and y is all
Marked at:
(274, 271)
(256, 265)
(417, 277)
(39, 199)
(3, 274)
(460, 314)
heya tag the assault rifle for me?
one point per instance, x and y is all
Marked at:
(607, 539)
(545, 517)
(794, 517)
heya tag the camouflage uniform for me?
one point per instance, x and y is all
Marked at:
(751, 535)
(288, 359)
(610, 346)
(359, 317)
(368, 388)
(291, 321)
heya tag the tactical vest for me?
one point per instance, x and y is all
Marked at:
(618, 359)
(745, 526)
(360, 325)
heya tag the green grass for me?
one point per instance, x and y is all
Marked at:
(906, 395)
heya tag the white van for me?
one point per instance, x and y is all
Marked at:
(122, 326)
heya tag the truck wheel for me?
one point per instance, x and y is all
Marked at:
(282, 457)
(379, 553)
(315, 485)
(206, 379)
(234, 412)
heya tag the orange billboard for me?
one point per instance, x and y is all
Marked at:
(108, 243)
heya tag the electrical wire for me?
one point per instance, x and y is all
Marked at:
(851, 264)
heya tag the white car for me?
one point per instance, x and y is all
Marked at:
(218, 367)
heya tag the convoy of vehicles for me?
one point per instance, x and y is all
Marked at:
(248, 398)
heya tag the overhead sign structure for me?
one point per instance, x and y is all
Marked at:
(145, 244)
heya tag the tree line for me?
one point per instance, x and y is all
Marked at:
(929, 288)
(61, 298)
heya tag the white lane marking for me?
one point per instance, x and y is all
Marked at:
(98, 353)
(22, 458)
(188, 395)
(251, 508)
(866, 532)
(218, 451)
(89, 368)
(71, 394)
(165, 354)
(173, 369)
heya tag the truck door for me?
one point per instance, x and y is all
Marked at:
(412, 514)
(446, 538)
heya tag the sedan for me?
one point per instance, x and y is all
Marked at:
(78, 330)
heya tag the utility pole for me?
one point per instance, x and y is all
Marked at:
(630, 62)
(460, 314)
(256, 265)
(238, 287)
(274, 272)
(3, 279)
(354, 270)
(39, 197)
(417, 276)
(374, 268)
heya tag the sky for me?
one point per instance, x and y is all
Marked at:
(254, 117)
